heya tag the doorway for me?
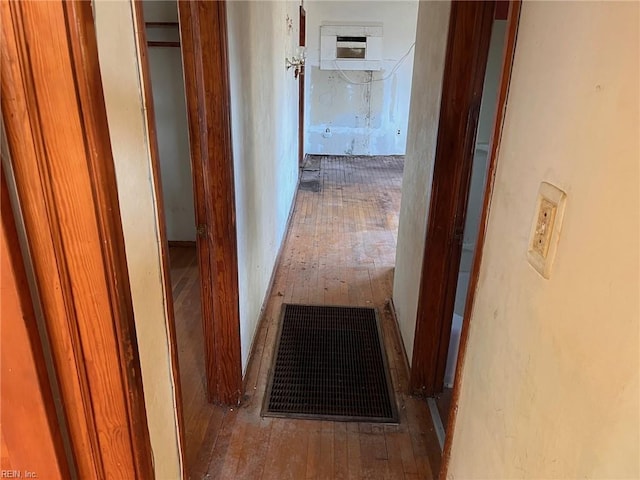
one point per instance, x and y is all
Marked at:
(359, 73)
(477, 185)
(193, 178)
(219, 15)
(199, 65)
(166, 104)
(463, 174)
(368, 83)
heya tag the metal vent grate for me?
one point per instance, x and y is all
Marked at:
(330, 364)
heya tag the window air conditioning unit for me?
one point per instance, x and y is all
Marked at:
(350, 47)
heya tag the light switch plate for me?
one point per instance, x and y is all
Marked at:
(545, 231)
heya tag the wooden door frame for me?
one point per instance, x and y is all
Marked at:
(22, 347)
(165, 263)
(513, 18)
(206, 75)
(58, 138)
(302, 41)
(465, 64)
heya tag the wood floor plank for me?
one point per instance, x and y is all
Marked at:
(326, 456)
(324, 469)
(254, 454)
(401, 454)
(218, 465)
(373, 455)
(314, 454)
(340, 453)
(353, 453)
(201, 458)
(288, 450)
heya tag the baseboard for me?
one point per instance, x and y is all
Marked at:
(272, 280)
(396, 326)
(182, 243)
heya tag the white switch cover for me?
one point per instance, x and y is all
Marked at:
(545, 231)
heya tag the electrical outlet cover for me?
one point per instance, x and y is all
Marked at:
(545, 231)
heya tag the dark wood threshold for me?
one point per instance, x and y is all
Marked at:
(161, 24)
(162, 44)
(182, 243)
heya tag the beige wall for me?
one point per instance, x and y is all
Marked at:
(431, 43)
(264, 104)
(550, 381)
(130, 144)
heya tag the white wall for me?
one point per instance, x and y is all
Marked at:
(119, 65)
(550, 381)
(362, 119)
(167, 84)
(264, 102)
(431, 44)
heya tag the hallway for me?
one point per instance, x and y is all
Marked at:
(340, 250)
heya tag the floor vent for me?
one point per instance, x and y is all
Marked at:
(330, 365)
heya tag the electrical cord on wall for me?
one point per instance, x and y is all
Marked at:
(371, 79)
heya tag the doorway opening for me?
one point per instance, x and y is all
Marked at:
(358, 73)
(166, 100)
(358, 76)
(476, 194)
(193, 178)
(308, 284)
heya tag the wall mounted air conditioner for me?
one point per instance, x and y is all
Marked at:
(350, 47)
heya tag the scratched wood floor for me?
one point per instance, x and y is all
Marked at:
(340, 250)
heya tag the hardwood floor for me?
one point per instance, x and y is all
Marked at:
(340, 250)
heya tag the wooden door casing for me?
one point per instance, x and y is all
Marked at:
(57, 133)
(30, 428)
(145, 75)
(513, 17)
(203, 37)
(303, 43)
(465, 64)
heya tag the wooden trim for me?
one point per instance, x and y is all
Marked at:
(159, 24)
(503, 92)
(398, 333)
(301, 76)
(203, 32)
(502, 10)
(157, 43)
(162, 226)
(182, 243)
(302, 33)
(24, 368)
(66, 183)
(466, 60)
